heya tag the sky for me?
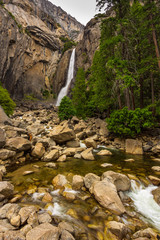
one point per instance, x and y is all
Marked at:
(82, 10)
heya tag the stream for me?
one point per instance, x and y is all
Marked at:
(84, 210)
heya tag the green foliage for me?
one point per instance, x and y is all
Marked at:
(66, 110)
(6, 102)
(79, 94)
(67, 44)
(125, 123)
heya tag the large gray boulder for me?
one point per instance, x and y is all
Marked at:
(18, 144)
(106, 194)
(44, 231)
(6, 154)
(133, 146)
(6, 189)
(121, 181)
(62, 134)
(4, 119)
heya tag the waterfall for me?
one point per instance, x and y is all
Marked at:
(145, 204)
(64, 90)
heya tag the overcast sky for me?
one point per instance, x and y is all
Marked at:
(82, 10)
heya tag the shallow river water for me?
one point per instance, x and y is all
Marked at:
(85, 211)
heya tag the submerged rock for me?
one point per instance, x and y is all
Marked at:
(104, 153)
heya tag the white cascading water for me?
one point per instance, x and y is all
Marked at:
(145, 204)
(64, 90)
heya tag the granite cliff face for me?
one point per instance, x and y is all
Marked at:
(30, 45)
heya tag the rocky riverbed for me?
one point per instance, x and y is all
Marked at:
(48, 192)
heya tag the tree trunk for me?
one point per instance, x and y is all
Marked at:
(127, 98)
(141, 93)
(133, 98)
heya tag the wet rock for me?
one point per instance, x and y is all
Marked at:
(129, 160)
(77, 182)
(27, 173)
(2, 138)
(118, 229)
(69, 152)
(6, 189)
(4, 119)
(69, 196)
(73, 144)
(154, 180)
(47, 198)
(44, 218)
(62, 134)
(106, 194)
(121, 181)
(18, 144)
(156, 168)
(156, 195)
(38, 150)
(133, 146)
(104, 153)
(59, 181)
(89, 179)
(6, 154)
(66, 226)
(65, 235)
(43, 231)
(25, 213)
(106, 165)
(90, 143)
(51, 165)
(62, 158)
(87, 154)
(148, 233)
(51, 156)
(13, 235)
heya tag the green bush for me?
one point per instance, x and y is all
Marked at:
(125, 123)
(6, 102)
(66, 109)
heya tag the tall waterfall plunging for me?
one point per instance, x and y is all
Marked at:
(64, 90)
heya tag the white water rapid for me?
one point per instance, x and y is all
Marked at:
(145, 204)
(64, 90)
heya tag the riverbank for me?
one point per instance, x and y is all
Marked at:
(37, 138)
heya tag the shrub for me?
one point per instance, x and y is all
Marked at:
(6, 102)
(125, 123)
(66, 109)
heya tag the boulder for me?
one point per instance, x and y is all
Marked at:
(6, 154)
(25, 213)
(156, 148)
(4, 119)
(13, 235)
(5, 226)
(62, 158)
(156, 195)
(51, 165)
(66, 226)
(62, 134)
(36, 129)
(121, 181)
(18, 144)
(154, 180)
(87, 154)
(44, 218)
(90, 143)
(70, 152)
(59, 181)
(156, 168)
(80, 127)
(47, 198)
(77, 182)
(105, 193)
(73, 144)
(44, 231)
(6, 189)
(89, 179)
(4, 210)
(133, 146)
(148, 233)
(2, 138)
(38, 150)
(33, 220)
(105, 165)
(104, 153)
(118, 229)
(51, 156)
(65, 235)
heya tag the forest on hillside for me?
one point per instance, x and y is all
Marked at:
(126, 68)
